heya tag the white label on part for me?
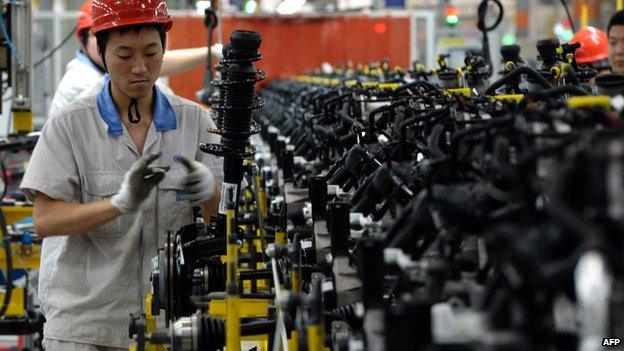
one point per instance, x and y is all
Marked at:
(327, 286)
(226, 188)
(306, 244)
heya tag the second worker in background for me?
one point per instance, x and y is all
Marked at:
(85, 73)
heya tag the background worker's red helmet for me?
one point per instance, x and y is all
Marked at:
(111, 14)
(594, 45)
(84, 18)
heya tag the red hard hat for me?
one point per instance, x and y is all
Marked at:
(110, 14)
(594, 45)
(84, 18)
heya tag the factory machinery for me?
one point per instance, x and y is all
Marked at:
(371, 208)
(20, 248)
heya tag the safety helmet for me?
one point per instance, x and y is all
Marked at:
(111, 14)
(594, 45)
(84, 18)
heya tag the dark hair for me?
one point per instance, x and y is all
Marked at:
(616, 20)
(84, 36)
(103, 36)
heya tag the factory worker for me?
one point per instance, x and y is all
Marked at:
(85, 73)
(111, 174)
(593, 52)
(615, 33)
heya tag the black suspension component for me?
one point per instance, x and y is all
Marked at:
(325, 267)
(213, 333)
(371, 271)
(222, 67)
(338, 226)
(318, 197)
(550, 55)
(239, 75)
(206, 333)
(209, 277)
(350, 314)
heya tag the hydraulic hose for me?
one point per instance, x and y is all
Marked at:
(433, 143)
(571, 74)
(431, 114)
(416, 84)
(379, 110)
(552, 93)
(509, 77)
(210, 21)
(567, 10)
(482, 11)
(568, 89)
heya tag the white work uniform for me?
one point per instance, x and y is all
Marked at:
(80, 75)
(90, 283)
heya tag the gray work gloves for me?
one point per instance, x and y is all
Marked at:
(199, 182)
(137, 184)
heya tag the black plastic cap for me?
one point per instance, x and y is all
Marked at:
(245, 41)
(510, 53)
(547, 48)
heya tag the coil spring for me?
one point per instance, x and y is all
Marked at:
(237, 85)
(213, 334)
(222, 68)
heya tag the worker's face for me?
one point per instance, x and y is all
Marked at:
(616, 48)
(92, 51)
(134, 60)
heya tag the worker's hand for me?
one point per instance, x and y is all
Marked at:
(137, 184)
(199, 182)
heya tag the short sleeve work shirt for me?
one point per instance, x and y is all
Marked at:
(89, 283)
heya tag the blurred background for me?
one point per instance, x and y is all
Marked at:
(302, 34)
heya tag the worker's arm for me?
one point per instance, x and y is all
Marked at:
(54, 217)
(211, 207)
(183, 60)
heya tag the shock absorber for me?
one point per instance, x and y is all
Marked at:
(238, 77)
(206, 333)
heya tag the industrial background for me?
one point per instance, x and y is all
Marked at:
(345, 175)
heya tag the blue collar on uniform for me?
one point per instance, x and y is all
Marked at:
(87, 61)
(164, 116)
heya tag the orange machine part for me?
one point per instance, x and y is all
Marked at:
(293, 45)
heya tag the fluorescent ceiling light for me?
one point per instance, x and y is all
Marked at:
(289, 7)
(250, 6)
(201, 6)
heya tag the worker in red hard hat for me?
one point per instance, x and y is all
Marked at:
(615, 32)
(85, 72)
(110, 176)
(593, 52)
